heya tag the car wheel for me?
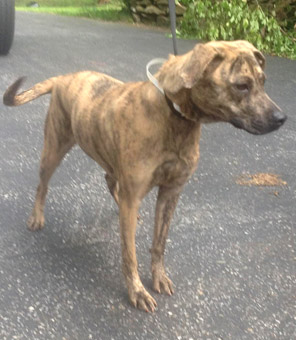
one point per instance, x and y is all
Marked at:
(7, 14)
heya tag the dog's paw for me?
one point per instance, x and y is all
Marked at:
(161, 282)
(35, 222)
(141, 299)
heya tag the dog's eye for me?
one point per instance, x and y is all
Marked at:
(242, 87)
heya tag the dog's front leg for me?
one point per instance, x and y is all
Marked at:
(166, 203)
(138, 295)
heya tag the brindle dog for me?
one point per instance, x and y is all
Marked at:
(137, 136)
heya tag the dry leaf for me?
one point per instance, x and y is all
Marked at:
(261, 179)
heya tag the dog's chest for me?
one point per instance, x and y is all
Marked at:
(180, 159)
(176, 169)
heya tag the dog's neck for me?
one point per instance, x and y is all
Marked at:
(173, 109)
(187, 109)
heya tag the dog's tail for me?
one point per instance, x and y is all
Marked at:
(11, 98)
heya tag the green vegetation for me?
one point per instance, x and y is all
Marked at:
(268, 24)
(58, 3)
(112, 11)
(283, 10)
(236, 19)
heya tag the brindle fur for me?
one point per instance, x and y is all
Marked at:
(131, 131)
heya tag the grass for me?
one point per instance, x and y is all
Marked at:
(111, 11)
(58, 3)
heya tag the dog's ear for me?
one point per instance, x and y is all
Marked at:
(260, 58)
(185, 71)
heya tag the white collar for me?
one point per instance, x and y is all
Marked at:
(155, 82)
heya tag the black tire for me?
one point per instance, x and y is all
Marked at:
(7, 14)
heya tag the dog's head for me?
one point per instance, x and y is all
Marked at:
(222, 81)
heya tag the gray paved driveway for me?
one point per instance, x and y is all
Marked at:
(231, 250)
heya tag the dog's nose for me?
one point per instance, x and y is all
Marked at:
(279, 118)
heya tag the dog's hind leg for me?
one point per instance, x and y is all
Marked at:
(58, 140)
(113, 187)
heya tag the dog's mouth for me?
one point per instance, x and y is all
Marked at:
(260, 126)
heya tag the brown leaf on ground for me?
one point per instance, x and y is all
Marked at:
(261, 179)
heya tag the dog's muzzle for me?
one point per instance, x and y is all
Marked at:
(261, 126)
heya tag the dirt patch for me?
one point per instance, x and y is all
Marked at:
(261, 179)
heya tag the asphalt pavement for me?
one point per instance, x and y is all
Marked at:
(231, 248)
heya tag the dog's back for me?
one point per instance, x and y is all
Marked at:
(93, 83)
